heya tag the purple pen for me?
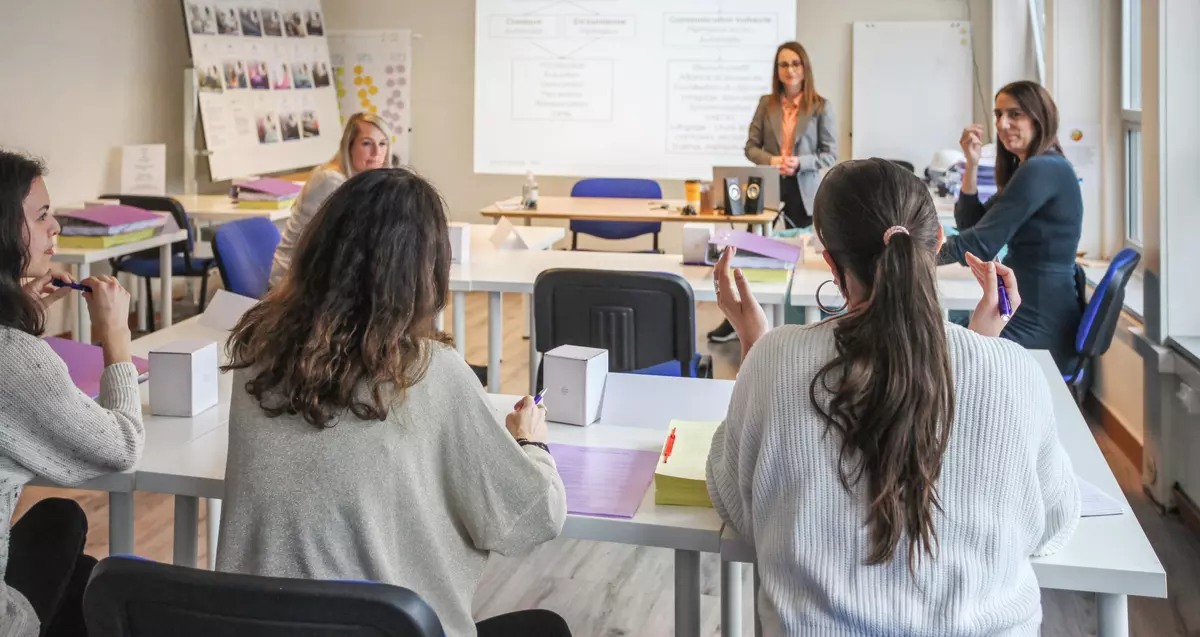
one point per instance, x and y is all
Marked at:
(1005, 308)
(537, 400)
(74, 286)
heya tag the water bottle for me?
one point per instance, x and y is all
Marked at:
(529, 192)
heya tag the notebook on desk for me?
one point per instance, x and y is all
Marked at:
(85, 364)
(680, 477)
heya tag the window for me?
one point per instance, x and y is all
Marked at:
(1131, 116)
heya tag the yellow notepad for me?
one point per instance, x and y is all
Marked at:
(680, 480)
(265, 205)
(765, 275)
(106, 241)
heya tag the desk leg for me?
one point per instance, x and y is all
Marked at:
(812, 314)
(529, 221)
(687, 593)
(187, 522)
(164, 281)
(120, 524)
(460, 323)
(495, 339)
(731, 599)
(778, 313)
(83, 320)
(535, 359)
(212, 524)
(1112, 612)
(757, 619)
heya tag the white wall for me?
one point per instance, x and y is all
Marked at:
(443, 83)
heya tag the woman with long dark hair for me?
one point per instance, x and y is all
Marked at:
(51, 429)
(894, 472)
(1037, 212)
(794, 130)
(361, 446)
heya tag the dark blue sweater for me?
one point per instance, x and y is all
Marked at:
(1039, 215)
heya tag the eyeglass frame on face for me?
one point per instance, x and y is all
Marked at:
(794, 64)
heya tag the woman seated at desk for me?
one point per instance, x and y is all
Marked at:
(361, 446)
(894, 472)
(366, 142)
(51, 428)
(1037, 212)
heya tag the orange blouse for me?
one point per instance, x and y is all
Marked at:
(791, 113)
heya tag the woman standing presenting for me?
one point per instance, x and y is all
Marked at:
(1037, 212)
(794, 112)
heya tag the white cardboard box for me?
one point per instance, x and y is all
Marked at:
(183, 378)
(696, 237)
(460, 242)
(574, 380)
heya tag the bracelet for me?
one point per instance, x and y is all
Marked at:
(540, 445)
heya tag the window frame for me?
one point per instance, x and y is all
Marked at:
(1131, 122)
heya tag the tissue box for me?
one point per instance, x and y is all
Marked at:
(574, 380)
(183, 378)
(696, 237)
(460, 242)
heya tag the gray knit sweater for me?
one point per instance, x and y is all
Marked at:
(1007, 492)
(416, 500)
(49, 428)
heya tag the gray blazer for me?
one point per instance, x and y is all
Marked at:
(815, 143)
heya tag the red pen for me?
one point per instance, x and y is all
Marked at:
(670, 445)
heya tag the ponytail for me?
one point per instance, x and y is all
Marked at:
(892, 393)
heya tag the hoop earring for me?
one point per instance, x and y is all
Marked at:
(830, 310)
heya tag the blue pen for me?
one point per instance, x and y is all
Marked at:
(1005, 308)
(537, 400)
(74, 286)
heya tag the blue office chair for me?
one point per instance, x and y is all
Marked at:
(616, 188)
(646, 320)
(132, 597)
(145, 264)
(1100, 316)
(244, 250)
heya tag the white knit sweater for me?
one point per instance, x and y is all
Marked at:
(1007, 490)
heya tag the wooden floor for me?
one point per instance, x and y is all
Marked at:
(612, 590)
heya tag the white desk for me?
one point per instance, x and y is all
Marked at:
(185, 457)
(218, 209)
(957, 287)
(1108, 556)
(83, 258)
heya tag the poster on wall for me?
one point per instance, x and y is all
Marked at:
(265, 82)
(372, 72)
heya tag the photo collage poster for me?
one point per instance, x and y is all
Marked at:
(372, 72)
(265, 81)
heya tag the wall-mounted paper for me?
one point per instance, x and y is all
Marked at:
(144, 169)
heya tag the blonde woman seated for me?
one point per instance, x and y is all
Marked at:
(361, 446)
(895, 472)
(366, 145)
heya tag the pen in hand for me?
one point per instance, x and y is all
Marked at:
(537, 400)
(74, 286)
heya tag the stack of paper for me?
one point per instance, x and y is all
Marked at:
(85, 364)
(604, 482)
(753, 251)
(107, 226)
(267, 194)
(1096, 503)
(680, 476)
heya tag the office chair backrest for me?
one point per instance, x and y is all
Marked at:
(641, 318)
(244, 250)
(129, 597)
(619, 189)
(162, 204)
(1099, 321)
(906, 165)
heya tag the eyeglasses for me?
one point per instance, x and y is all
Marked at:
(794, 64)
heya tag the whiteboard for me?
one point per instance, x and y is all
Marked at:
(660, 89)
(911, 89)
(372, 72)
(267, 101)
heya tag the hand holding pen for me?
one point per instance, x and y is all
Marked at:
(528, 419)
(1001, 297)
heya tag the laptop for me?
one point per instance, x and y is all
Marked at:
(770, 183)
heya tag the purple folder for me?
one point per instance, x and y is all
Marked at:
(765, 246)
(85, 363)
(272, 186)
(112, 215)
(602, 481)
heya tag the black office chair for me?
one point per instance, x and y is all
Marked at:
(1100, 316)
(131, 597)
(906, 165)
(646, 320)
(184, 263)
